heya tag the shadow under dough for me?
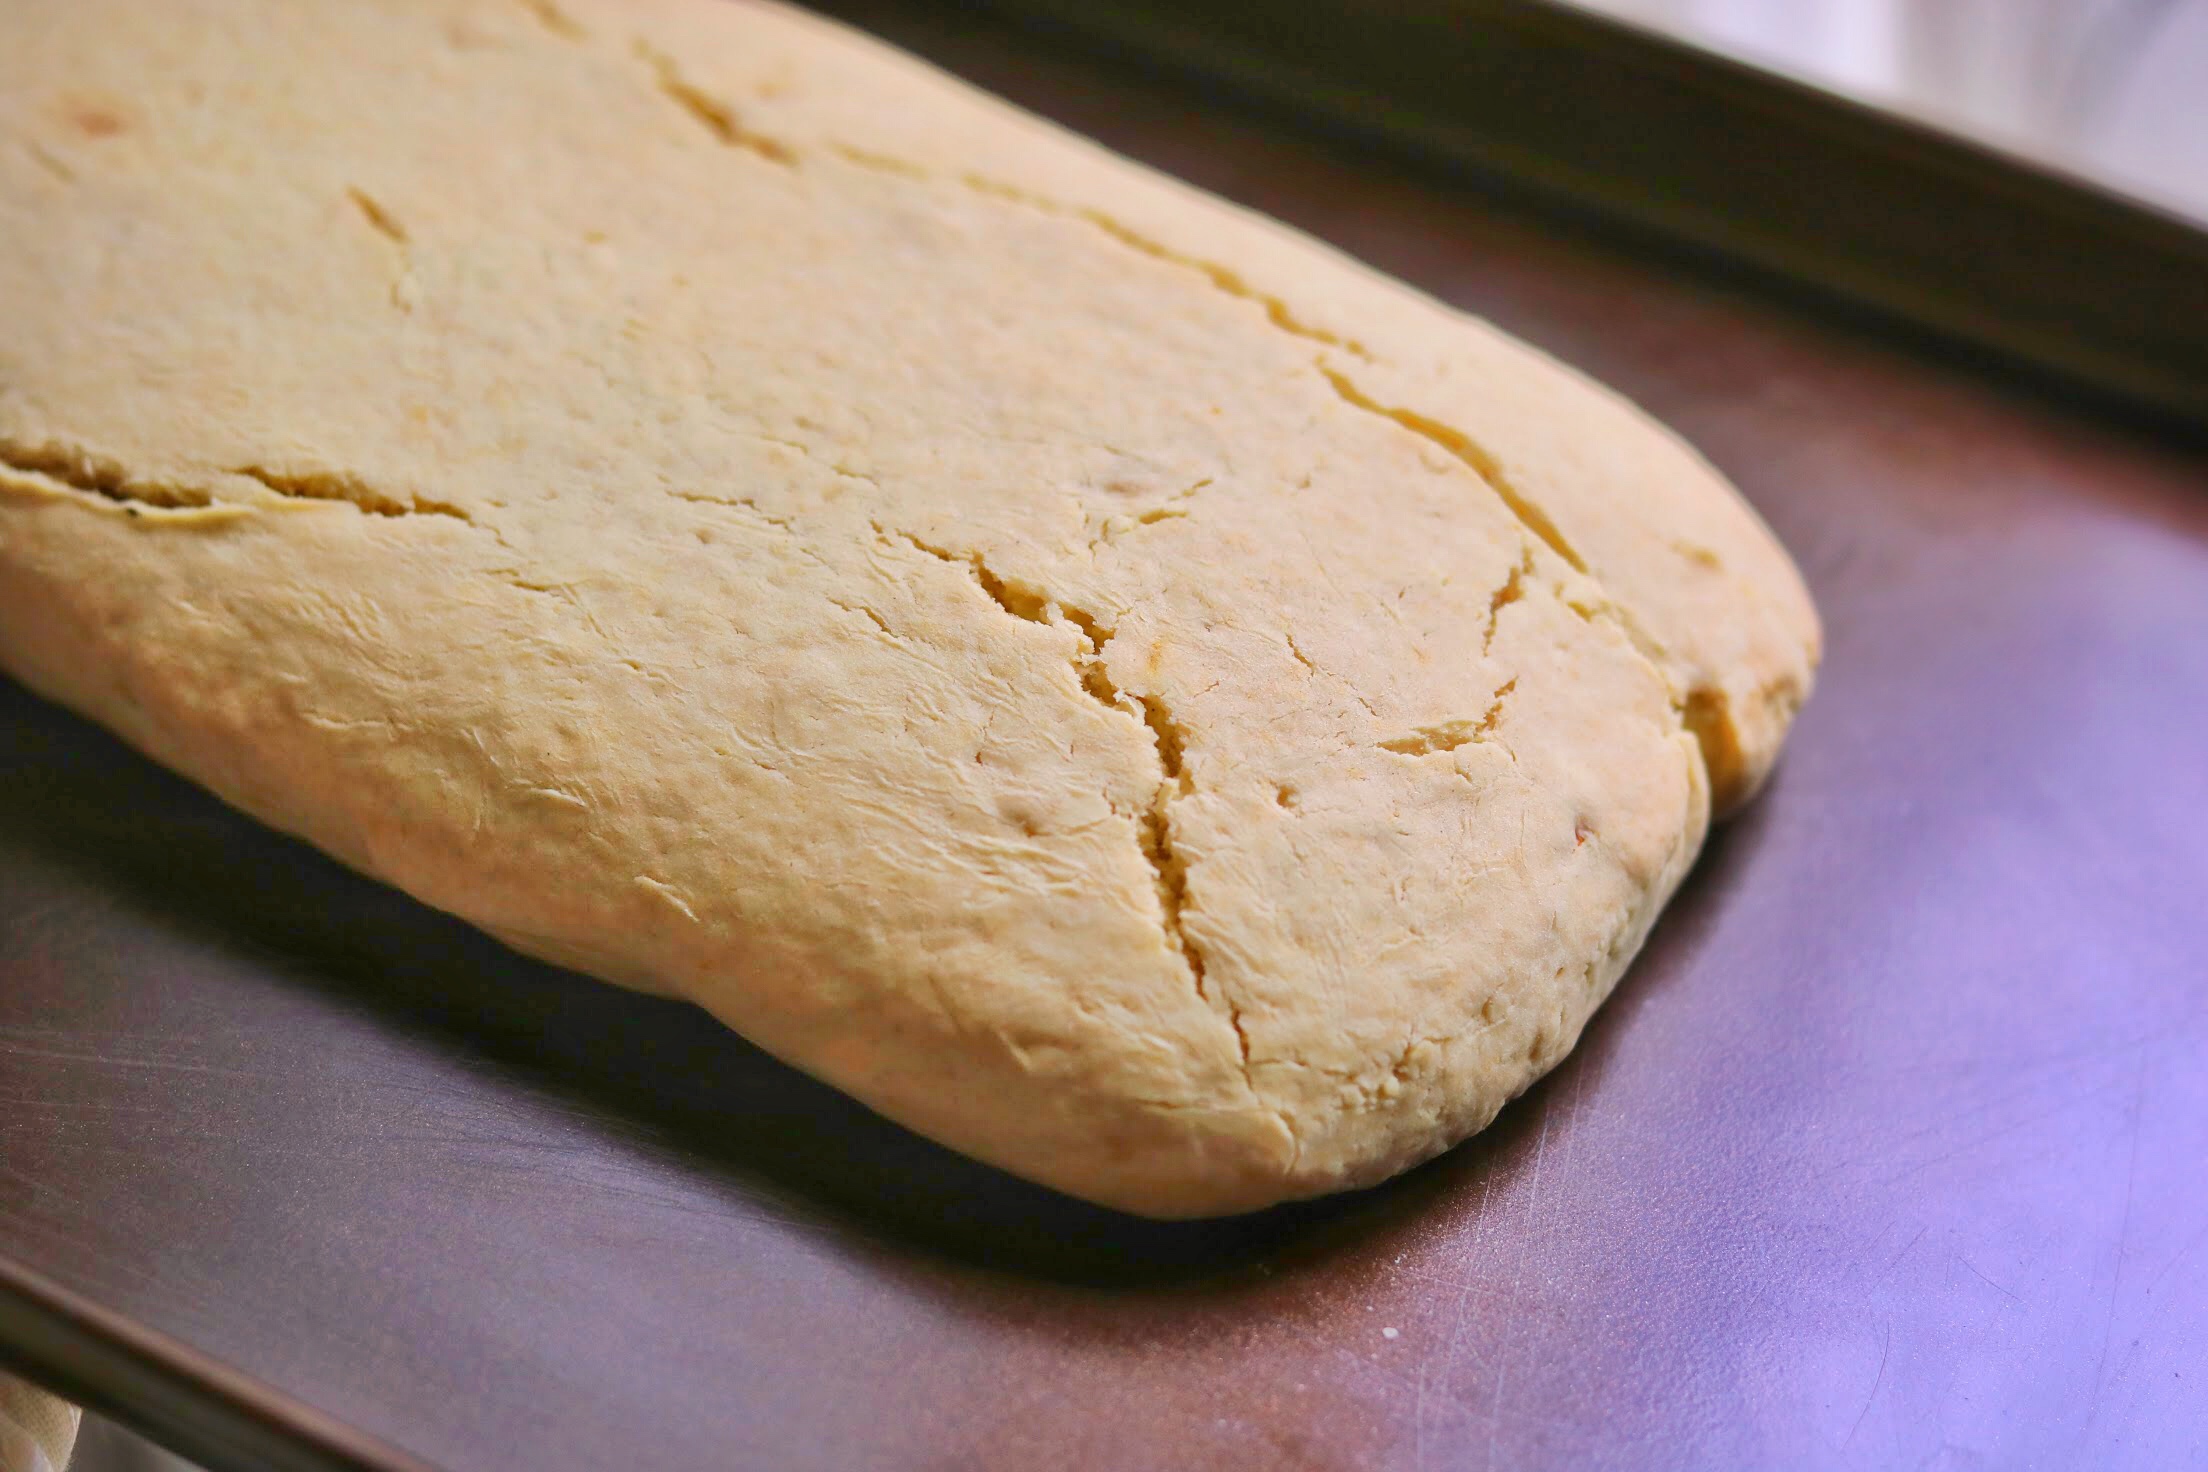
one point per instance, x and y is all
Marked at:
(649, 1072)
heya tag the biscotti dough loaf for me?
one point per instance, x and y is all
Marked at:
(1105, 680)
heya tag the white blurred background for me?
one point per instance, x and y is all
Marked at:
(2105, 88)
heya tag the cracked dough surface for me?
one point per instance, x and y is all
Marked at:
(1112, 684)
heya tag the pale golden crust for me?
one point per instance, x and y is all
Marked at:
(769, 526)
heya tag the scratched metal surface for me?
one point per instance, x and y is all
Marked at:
(1888, 1152)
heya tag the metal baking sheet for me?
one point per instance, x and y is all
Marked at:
(2035, 258)
(1886, 1152)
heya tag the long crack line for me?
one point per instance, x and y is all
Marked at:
(79, 469)
(338, 485)
(1463, 447)
(1153, 824)
(1700, 711)
(714, 115)
(1223, 277)
(1458, 444)
(76, 468)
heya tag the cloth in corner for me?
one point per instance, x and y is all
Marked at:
(37, 1430)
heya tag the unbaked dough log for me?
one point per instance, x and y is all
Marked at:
(1107, 681)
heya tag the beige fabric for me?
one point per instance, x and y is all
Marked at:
(1106, 681)
(37, 1430)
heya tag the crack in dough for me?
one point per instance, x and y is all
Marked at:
(1153, 824)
